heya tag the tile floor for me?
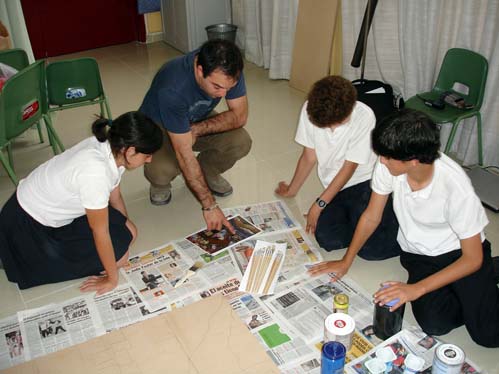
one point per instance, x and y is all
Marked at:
(127, 71)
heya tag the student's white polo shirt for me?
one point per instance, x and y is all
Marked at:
(60, 190)
(350, 141)
(434, 219)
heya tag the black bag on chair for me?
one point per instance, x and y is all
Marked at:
(375, 94)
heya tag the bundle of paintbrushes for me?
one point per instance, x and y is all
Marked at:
(264, 268)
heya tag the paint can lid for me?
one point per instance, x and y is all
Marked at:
(390, 303)
(339, 324)
(341, 299)
(334, 350)
(450, 354)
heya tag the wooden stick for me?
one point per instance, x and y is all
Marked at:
(273, 271)
(256, 257)
(263, 269)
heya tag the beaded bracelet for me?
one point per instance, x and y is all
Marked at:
(210, 208)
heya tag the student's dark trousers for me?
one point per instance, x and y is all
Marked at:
(472, 301)
(339, 218)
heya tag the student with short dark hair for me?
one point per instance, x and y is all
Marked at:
(182, 98)
(451, 278)
(335, 132)
(67, 218)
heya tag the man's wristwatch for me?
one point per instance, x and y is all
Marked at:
(321, 203)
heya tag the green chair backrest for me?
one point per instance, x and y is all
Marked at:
(468, 68)
(16, 58)
(22, 101)
(73, 81)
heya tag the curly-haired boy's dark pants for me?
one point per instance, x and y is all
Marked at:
(339, 218)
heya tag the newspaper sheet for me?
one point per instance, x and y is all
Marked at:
(154, 274)
(57, 326)
(299, 251)
(301, 312)
(11, 343)
(306, 366)
(122, 307)
(282, 347)
(412, 340)
(270, 216)
(218, 268)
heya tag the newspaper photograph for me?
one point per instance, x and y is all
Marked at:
(122, 307)
(299, 251)
(11, 343)
(57, 326)
(269, 217)
(215, 241)
(251, 311)
(407, 341)
(154, 276)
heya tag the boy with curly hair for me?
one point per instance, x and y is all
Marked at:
(335, 131)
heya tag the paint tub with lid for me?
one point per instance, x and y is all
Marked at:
(449, 359)
(339, 327)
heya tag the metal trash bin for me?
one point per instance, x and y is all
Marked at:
(225, 31)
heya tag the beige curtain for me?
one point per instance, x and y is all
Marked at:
(11, 15)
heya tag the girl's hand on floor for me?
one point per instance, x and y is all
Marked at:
(101, 284)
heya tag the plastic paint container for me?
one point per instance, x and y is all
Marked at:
(340, 303)
(386, 355)
(333, 358)
(449, 359)
(386, 323)
(413, 364)
(339, 327)
(375, 366)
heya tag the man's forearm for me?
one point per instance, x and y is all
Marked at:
(224, 121)
(193, 174)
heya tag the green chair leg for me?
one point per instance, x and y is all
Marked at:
(8, 168)
(479, 136)
(452, 134)
(56, 143)
(11, 157)
(40, 134)
(107, 108)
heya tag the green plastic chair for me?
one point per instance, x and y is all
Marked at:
(75, 83)
(460, 66)
(18, 59)
(22, 104)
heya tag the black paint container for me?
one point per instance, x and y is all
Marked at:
(386, 323)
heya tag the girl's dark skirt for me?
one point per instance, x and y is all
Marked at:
(34, 254)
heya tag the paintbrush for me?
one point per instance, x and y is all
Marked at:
(189, 273)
